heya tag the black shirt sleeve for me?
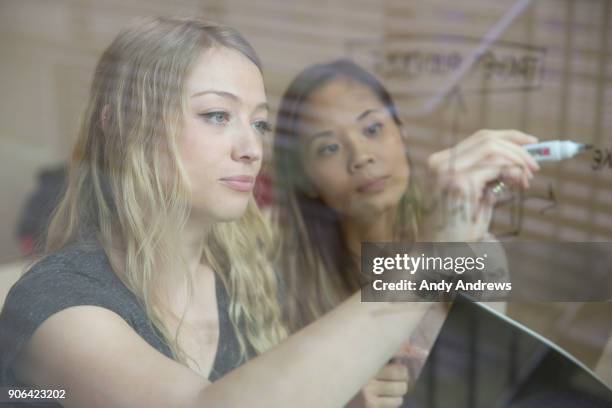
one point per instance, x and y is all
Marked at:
(50, 286)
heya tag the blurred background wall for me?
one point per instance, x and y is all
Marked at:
(548, 74)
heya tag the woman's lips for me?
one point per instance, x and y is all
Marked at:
(374, 185)
(239, 183)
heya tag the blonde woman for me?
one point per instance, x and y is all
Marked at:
(156, 289)
(344, 177)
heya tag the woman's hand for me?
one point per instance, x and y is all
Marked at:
(458, 201)
(385, 390)
(393, 381)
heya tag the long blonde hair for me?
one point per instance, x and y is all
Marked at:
(127, 186)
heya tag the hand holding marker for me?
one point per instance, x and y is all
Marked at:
(553, 150)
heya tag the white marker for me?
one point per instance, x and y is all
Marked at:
(555, 150)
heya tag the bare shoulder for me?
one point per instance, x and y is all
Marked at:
(100, 361)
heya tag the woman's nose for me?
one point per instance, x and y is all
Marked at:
(360, 156)
(360, 162)
(247, 146)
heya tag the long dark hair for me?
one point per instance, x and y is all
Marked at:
(317, 266)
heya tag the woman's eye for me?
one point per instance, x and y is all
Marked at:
(328, 150)
(218, 118)
(262, 127)
(373, 130)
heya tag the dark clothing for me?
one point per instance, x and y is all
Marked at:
(39, 207)
(82, 275)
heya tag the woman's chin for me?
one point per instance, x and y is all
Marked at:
(230, 214)
(369, 211)
(375, 206)
(223, 213)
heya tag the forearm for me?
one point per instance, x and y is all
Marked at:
(323, 365)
